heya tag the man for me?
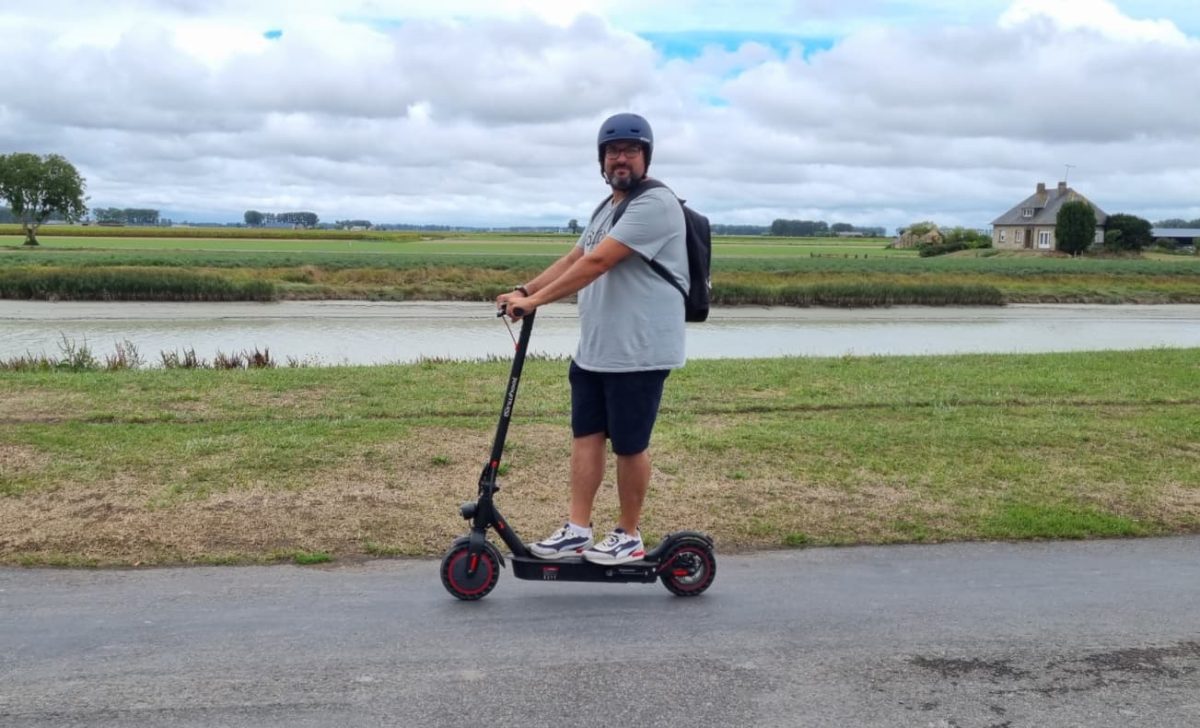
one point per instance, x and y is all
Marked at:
(631, 336)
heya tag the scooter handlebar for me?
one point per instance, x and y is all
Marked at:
(503, 311)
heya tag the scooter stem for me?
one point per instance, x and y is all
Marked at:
(488, 478)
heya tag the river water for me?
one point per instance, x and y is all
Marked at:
(360, 332)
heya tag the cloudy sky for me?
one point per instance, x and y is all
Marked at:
(484, 112)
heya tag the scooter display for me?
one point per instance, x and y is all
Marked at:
(684, 560)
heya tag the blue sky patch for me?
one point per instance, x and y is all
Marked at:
(273, 34)
(688, 45)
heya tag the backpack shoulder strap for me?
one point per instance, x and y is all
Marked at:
(631, 195)
(647, 184)
(659, 268)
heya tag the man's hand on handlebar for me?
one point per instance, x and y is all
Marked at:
(514, 305)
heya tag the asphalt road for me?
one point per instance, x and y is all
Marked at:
(1103, 633)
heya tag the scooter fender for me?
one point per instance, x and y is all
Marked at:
(478, 542)
(671, 540)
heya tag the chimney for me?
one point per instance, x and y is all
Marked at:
(1041, 190)
(1062, 188)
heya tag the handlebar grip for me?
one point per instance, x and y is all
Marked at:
(518, 312)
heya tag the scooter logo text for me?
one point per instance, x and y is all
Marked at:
(512, 395)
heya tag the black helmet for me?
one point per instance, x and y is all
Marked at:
(625, 127)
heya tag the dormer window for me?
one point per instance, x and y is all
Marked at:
(1026, 212)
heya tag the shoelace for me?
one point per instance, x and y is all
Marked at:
(563, 534)
(611, 540)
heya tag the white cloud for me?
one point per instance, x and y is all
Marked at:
(485, 112)
(1099, 16)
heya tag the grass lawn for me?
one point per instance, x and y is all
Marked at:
(187, 466)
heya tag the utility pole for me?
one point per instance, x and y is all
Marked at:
(1068, 172)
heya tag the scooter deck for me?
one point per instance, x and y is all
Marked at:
(576, 568)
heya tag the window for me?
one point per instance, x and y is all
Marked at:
(1043, 239)
(1026, 212)
(1002, 236)
(1099, 235)
(1018, 236)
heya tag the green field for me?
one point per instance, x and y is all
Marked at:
(403, 266)
(444, 244)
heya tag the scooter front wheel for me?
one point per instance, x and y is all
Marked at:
(689, 569)
(455, 565)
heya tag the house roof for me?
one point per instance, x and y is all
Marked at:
(1046, 204)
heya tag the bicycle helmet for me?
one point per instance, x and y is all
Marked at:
(625, 127)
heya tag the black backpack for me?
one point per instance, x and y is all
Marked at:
(699, 253)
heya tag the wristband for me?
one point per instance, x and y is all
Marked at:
(524, 291)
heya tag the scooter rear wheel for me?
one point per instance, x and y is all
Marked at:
(456, 580)
(690, 569)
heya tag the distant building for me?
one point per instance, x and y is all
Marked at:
(910, 239)
(1030, 225)
(1176, 236)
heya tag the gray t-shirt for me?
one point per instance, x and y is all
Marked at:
(630, 318)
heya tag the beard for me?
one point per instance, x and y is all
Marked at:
(623, 183)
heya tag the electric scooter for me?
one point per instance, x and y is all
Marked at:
(684, 561)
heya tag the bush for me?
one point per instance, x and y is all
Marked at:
(928, 251)
(969, 238)
(127, 284)
(856, 295)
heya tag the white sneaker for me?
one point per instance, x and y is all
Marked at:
(562, 543)
(617, 548)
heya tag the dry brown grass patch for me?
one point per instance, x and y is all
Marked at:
(1178, 506)
(402, 498)
(36, 406)
(20, 459)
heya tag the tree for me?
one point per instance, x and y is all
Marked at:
(1135, 231)
(1075, 226)
(303, 219)
(140, 216)
(799, 228)
(38, 187)
(841, 227)
(573, 226)
(109, 215)
(917, 229)
(253, 218)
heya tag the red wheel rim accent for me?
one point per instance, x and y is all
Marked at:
(488, 568)
(704, 564)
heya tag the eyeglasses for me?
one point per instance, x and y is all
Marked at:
(628, 152)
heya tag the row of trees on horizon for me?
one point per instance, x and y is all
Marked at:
(254, 218)
(42, 188)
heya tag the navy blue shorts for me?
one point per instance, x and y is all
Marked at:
(622, 405)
